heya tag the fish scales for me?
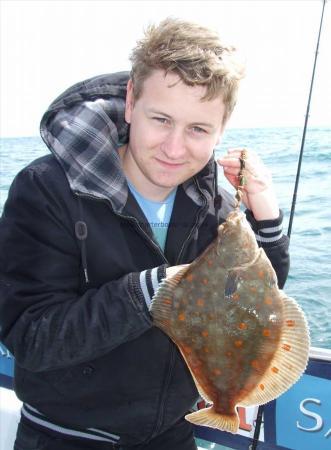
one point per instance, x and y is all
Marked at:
(244, 341)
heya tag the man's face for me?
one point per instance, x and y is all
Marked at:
(172, 133)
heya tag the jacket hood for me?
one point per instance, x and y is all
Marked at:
(83, 128)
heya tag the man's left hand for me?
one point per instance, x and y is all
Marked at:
(258, 192)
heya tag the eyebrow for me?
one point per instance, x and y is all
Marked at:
(194, 124)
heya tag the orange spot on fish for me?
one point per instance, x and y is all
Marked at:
(197, 371)
(181, 317)
(268, 301)
(236, 296)
(262, 387)
(274, 370)
(205, 281)
(167, 301)
(206, 350)
(238, 343)
(290, 323)
(286, 347)
(200, 302)
(204, 333)
(242, 326)
(253, 289)
(210, 262)
(266, 332)
(261, 273)
(189, 277)
(217, 371)
(186, 349)
(255, 364)
(229, 354)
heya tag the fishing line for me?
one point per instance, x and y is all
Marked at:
(259, 418)
(294, 198)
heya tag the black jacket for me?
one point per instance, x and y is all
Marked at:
(76, 265)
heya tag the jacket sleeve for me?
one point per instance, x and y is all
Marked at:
(44, 320)
(270, 237)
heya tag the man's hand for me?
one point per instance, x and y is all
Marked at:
(258, 192)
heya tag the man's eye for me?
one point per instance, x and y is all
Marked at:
(199, 130)
(160, 119)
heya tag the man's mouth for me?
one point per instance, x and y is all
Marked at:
(170, 165)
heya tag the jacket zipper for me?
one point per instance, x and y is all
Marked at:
(131, 219)
(195, 224)
(146, 236)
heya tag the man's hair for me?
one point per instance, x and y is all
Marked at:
(194, 53)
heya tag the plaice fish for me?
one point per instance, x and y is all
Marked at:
(244, 341)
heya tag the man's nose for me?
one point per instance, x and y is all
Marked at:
(173, 145)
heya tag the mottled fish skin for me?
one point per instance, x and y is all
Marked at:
(243, 340)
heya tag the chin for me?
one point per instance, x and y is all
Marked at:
(168, 184)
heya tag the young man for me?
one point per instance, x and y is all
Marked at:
(127, 196)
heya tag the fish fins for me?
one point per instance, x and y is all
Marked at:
(197, 384)
(290, 359)
(161, 305)
(209, 417)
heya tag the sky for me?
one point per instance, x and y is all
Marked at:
(48, 45)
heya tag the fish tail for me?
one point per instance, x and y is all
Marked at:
(209, 417)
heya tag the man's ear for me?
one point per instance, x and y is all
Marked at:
(129, 101)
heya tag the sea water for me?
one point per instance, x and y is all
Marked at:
(310, 245)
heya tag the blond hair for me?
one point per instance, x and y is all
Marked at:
(194, 53)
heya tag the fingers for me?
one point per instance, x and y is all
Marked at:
(257, 175)
(231, 162)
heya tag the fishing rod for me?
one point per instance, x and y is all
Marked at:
(305, 129)
(259, 418)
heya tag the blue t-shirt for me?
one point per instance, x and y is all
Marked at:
(157, 213)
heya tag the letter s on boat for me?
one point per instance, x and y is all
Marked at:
(306, 412)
